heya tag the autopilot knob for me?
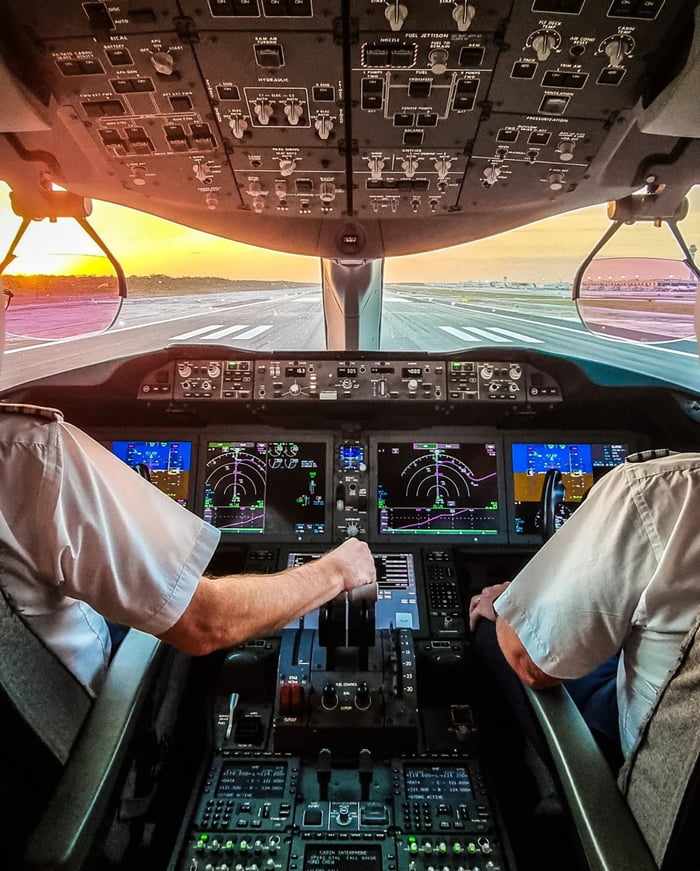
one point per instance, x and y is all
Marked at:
(329, 697)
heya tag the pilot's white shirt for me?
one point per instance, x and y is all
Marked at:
(622, 573)
(83, 537)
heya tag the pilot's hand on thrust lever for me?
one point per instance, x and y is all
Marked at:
(353, 560)
(481, 605)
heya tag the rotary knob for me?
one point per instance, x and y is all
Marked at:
(264, 112)
(490, 175)
(556, 180)
(376, 165)
(163, 63)
(238, 126)
(396, 13)
(409, 166)
(293, 112)
(442, 167)
(437, 61)
(617, 48)
(287, 166)
(566, 150)
(463, 14)
(544, 42)
(323, 126)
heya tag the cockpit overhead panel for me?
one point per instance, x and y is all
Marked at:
(344, 129)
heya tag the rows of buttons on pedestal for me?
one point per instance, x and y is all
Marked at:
(217, 814)
(213, 854)
(429, 856)
(419, 816)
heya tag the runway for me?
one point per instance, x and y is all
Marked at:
(414, 319)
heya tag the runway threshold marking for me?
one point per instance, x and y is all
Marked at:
(496, 334)
(193, 333)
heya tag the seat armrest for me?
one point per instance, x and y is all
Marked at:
(607, 831)
(71, 822)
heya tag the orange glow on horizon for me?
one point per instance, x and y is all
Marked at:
(549, 250)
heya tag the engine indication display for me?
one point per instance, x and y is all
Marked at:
(274, 488)
(437, 488)
(168, 464)
(581, 465)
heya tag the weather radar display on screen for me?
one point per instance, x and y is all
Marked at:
(581, 465)
(168, 464)
(437, 488)
(275, 488)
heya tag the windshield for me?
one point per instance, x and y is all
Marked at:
(184, 286)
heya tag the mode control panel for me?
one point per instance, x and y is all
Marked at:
(350, 379)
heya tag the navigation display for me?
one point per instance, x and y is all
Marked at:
(276, 487)
(168, 464)
(437, 488)
(581, 465)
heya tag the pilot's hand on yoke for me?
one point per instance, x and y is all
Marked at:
(481, 605)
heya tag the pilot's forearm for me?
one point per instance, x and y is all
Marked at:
(229, 610)
(519, 659)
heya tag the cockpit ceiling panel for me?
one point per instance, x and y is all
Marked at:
(345, 128)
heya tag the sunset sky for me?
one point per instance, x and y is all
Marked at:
(549, 250)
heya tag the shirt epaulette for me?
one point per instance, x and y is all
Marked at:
(33, 410)
(652, 454)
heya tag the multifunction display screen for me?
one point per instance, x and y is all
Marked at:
(436, 783)
(437, 488)
(339, 857)
(252, 780)
(581, 465)
(266, 487)
(168, 464)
